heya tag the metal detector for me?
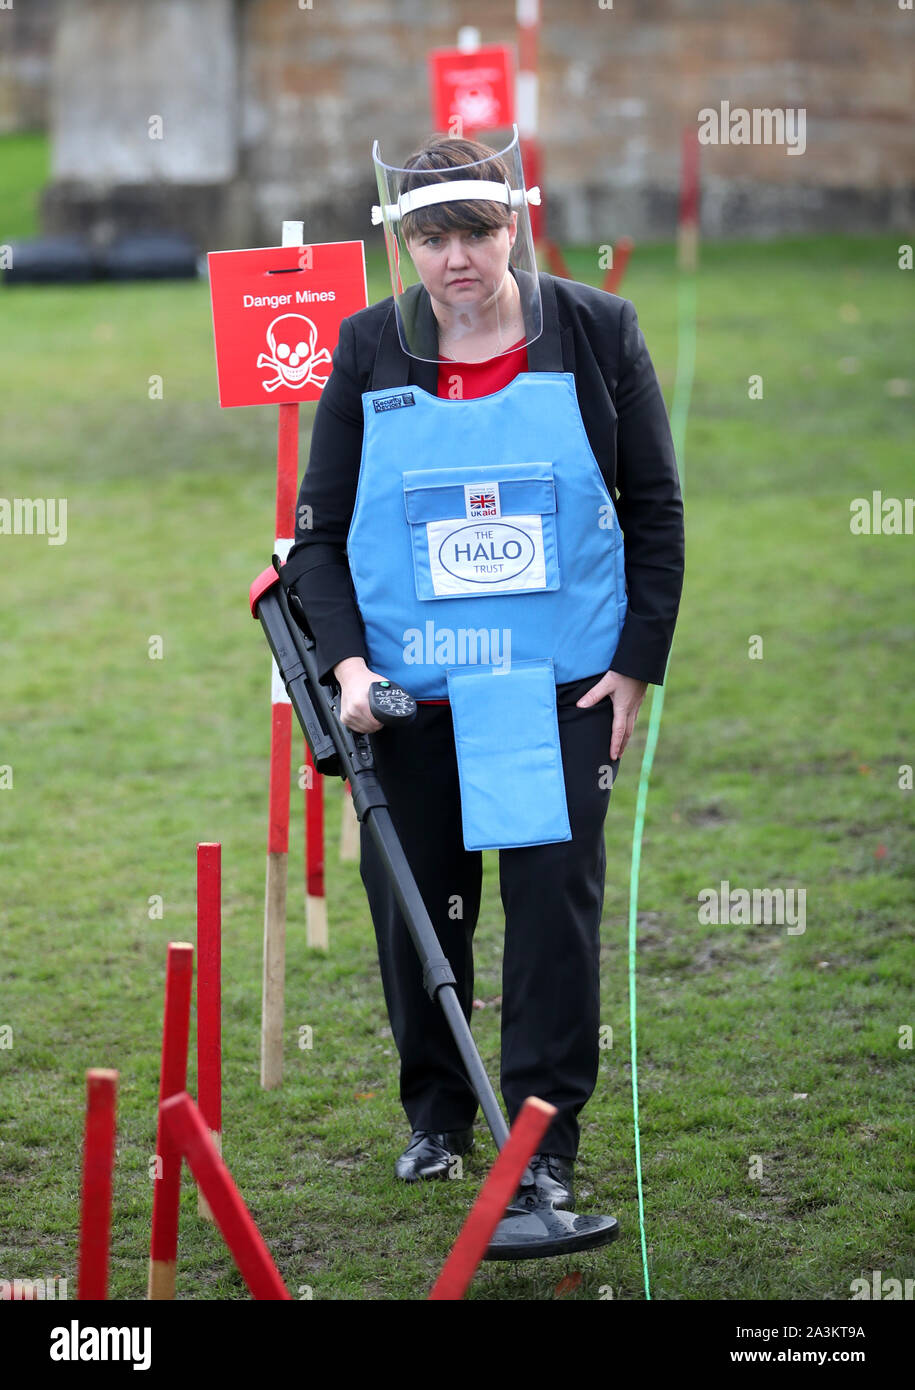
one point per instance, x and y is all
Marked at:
(530, 1229)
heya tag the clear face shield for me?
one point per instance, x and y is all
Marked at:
(461, 255)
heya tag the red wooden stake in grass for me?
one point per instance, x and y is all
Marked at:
(495, 1195)
(189, 1135)
(163, 1250)
(688, 220)
(98, 1162)
(275, 898)
(209, 995)
(315, 900)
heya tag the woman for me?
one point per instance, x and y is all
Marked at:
(497, 526)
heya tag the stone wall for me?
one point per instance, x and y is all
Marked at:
(145, 120)
(617, 86)
(270, 109)
(26, 36)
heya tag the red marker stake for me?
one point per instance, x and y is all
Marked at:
(495, 1195)
(315, 900)
(98, 1162)
(275, 901)
(209, 996)
(189, 1135)
(688, 221)
(163, 1250)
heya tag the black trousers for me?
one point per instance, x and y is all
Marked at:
(552, 896)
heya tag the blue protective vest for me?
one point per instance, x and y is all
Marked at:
(488, 567)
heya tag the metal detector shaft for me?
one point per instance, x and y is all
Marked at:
(337, 750)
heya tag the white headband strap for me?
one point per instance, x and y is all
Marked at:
(457, 190)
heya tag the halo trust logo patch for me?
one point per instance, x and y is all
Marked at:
(488, 556)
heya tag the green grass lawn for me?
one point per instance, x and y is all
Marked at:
(775, 1097)
(25, 163)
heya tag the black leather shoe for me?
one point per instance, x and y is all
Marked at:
(429, 1153)
(553, 1180)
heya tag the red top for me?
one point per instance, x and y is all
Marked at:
(479, 379)
(483, 378)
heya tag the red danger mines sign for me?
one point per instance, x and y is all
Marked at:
(477, 86)
(276, 317)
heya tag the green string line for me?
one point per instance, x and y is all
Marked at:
(683, 387)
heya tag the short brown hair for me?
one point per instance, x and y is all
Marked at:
(476, 214)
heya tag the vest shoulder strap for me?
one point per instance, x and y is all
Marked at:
(392, 365)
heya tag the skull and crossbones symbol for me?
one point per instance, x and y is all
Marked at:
(477, 105)
(292, 339)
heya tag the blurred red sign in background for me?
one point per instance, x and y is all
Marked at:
(479, 87)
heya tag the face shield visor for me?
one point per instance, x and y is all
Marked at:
(461, 255)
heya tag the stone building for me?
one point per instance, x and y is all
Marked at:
(222, 117)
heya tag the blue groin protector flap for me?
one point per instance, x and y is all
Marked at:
(506, 732)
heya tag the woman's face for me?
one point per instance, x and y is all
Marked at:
(463, 269)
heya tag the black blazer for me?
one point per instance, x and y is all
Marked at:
(595, 336)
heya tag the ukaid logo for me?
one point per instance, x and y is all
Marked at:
(481, 501)
(502, 557)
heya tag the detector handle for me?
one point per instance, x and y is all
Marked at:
(390, 703)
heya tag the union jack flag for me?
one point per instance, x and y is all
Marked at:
(482, 499)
